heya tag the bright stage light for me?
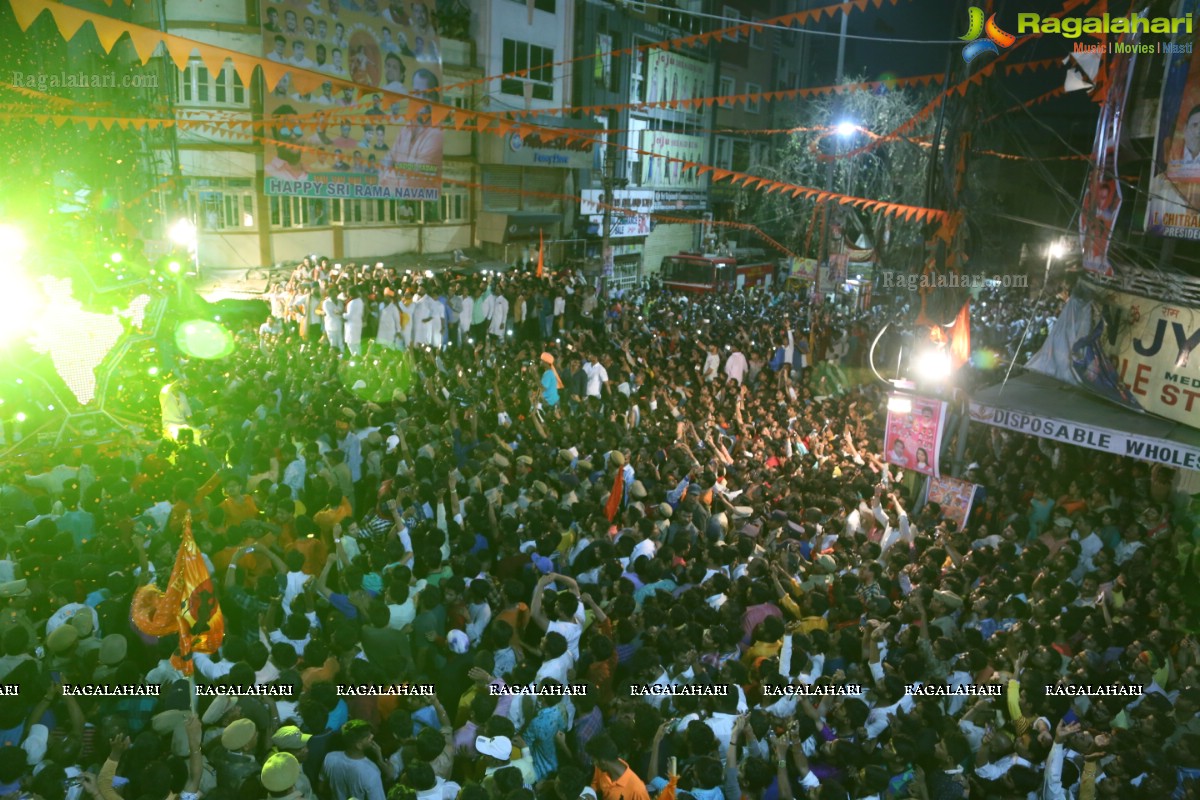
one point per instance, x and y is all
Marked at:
(116, 258)
(933, 366)
(183, 233)
(174, 267)
(845, 128)
(12, 243)
(899, 404)
(21, 416)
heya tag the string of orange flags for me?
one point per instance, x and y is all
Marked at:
(146, 40)
(960, 89)
(1057, 91)
(795, 19)
(230, 126)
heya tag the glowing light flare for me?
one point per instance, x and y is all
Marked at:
(12, 244)
(203, 339)
(183, 233)
(933, 366)
(845, 128)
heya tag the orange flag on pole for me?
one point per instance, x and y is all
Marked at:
(187, 607)
(960, 337)
(614, 498)
(541, 254)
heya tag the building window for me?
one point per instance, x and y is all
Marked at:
(298, 212)
(539, 61)
(222, 204)
(637, 77)
(724, 153)
(756, 36)
(456, 204)
(549, 6)
(727, 89)
(199, 87)
(731, 18)
(759, 152)
(753, 90)
(365, 213)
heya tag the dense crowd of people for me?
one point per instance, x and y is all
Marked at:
(484, 482)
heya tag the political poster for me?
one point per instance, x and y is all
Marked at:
(379, 138)
(914, 438)
(954, 496)
(1102, 196)
(1175, 172)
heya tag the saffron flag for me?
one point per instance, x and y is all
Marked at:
(187, 607)
(960, 337)
(541, 254)
(614, 498)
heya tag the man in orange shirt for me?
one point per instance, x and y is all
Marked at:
(238, 506)
(337, 509)
(613, 779)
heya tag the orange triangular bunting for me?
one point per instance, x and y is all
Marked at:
(181, 51)
(145, 42)
(108, 31)
(69, 20)
(213, 58)
(27, 12)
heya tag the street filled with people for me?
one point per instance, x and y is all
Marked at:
(497, 537)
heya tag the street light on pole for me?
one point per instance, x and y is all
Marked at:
(1054, 252)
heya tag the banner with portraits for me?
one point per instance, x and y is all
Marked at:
(677, 79)
(914, 438)
(954, 496)
(666, 168)
(346, 142)
(1172, 210)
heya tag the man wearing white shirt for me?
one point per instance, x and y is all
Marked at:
(355, 311)
(712, 363)
(597, 376)
(736, 366)
(722, 721)
(335, 321)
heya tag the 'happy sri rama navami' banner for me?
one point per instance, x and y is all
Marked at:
(347, 143)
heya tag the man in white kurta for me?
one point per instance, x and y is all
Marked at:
(388, 334)
(355, 314)
(498, 321)
(406, 306)
(331, 307)
(465, 316)
(423, 319)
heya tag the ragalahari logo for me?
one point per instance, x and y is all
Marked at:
(996, 40)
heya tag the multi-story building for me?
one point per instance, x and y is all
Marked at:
(628, 87)
(766, 60)
(219, 167)
(526, 51)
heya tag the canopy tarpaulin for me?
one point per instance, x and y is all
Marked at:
(1042, 406)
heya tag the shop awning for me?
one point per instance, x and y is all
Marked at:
(514, 226)
(1041, 406)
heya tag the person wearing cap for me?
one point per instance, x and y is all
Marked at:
(291, 741)
(551, 383)
(356, 771)
(235, 758)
